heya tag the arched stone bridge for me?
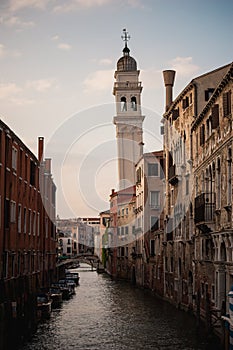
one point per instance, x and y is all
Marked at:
(87, 258)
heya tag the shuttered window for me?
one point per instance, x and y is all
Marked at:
(226, 103)
(185, 102)
(202, 135)
(215, 117)
(175, 114)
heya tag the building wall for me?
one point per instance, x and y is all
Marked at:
(27, 231)
(212, 202)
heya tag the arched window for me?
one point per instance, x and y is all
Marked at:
(229, 174)
(223, 255)
(134, 103)
(218, 183)
(123, 104)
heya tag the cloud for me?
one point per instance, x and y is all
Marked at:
(15, 21)
(64, 46)
(16, 5)
(184, 66)
(21, 101)
(55, 37)
(105, 61)
(73, 5)
(151, 78)
(101, 80)
(4, 52)
(42, 85)
(8, 90)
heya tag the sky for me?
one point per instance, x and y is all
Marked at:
(57, 63)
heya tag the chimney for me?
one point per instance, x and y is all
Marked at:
(48, 165)
(168, 77)
(40, 148)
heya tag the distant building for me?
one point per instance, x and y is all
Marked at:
(149, 212)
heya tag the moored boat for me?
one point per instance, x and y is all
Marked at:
(72, 276)
(56, 296)
(43, 305)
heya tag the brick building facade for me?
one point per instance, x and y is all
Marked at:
(27, 231)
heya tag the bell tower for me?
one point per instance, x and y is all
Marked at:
(128, 120)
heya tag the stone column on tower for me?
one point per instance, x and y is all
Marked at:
(128, 120)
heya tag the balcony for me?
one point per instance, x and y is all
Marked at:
(204, 211)
(172, 175)
(127, 85)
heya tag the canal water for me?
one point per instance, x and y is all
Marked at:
(106, 315)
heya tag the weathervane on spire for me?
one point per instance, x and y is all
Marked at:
(125, 37)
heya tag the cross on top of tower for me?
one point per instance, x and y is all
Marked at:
(125, 37)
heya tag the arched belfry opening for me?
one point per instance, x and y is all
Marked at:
(128, 120)
(133, 103)
(123, 104)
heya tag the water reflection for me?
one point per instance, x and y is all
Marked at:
(105, 314)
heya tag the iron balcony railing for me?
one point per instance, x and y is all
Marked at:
(204, 208)
(172, 175)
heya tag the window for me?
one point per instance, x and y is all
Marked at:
(126, 211)
(227, 103)
(14, 158)
(7, 214)
(122, 251)
(123, 212)
(32, 173)
(26, 167)
(123, 104)
(229, 174)
(24, 220)
(139, 175)
(0, 145)
(215, 116)
(20, 162)
(208, 93)
(34, 223)
(126, 251)
(153, 169)
(154, 199)
(191, 98)
(122, 231)
(152, 247)
(30, 221)
(218, 199)
(133, 103)
(202, 135)
(13, 211)
(175, 114)
(38, 224)
(154, 223)
(185, 102)
(19, 218)
(126, 230)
